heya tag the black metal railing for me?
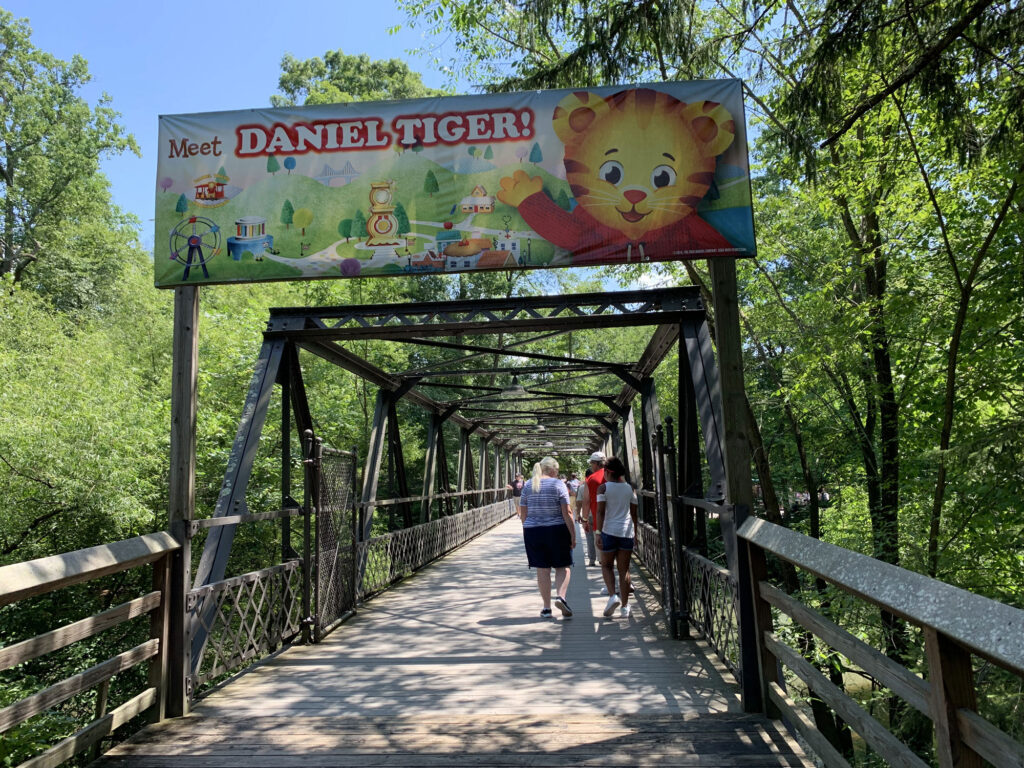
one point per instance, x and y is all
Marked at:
(384, 560)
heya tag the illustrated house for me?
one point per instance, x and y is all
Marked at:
(511, 245)
(478, 201)
(210, 187)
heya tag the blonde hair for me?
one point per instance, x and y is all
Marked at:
(547, 463)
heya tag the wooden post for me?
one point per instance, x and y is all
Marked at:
(739, 492)
(181, 496)
(951, 688)
(158, 630)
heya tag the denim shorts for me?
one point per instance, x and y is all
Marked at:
(548, 546)
(611, 543)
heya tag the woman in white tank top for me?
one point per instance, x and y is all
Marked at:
(616, 524)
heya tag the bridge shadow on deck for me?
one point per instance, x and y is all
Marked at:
(455, 667)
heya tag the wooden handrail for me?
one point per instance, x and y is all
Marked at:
(45, 574)
(988, 628)
(955, 624)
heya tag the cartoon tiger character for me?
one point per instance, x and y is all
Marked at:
(638, 163)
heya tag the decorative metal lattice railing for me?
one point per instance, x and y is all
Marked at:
(246, 617)
(335, 538)
(711, 604)
(708, 598)
(383, 560)
(648, 549)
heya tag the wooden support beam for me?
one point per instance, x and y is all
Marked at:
(182, 493)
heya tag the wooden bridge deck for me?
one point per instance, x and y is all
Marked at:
(455, 667)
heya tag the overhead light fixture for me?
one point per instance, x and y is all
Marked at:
(515, 389)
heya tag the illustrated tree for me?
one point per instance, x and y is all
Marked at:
(472, 151)
(222, 172)
(359, 225)
(345, 229)
(536, 156)
(287, 214)
(182, 205)
(166, 183)
(403, 219)
(522, 152)
(488, 153)
(430, 184)
(272, 165)
(302, 218)
(289, 163)
(562, 199)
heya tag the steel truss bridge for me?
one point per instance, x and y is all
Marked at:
(322, 660)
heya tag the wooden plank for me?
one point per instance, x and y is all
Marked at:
(45, 574)
(94, 732)
(988, 628)
(988, 741)
(891, 749)
(214, 522)
(896, 678)
(821, 746)
(22, 710)
(64, 636)
(952, 688)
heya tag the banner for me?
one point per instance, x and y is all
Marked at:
(545, 179)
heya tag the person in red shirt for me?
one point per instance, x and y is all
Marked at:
(591, 484)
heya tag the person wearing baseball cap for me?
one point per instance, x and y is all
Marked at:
(589, 504)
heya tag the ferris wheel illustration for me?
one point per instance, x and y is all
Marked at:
(194, 241)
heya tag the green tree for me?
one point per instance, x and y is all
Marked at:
(181, 206)
(272, 165)
(359, 225)
(345, 229)
(51, 143)
(430, 184)
(338, 78)
(302, 218)
(287, 214)
(403, 219)
(562, 199)
(488, 153)
(536, 156)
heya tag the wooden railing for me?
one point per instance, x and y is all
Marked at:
(957, 626)
(37, 577)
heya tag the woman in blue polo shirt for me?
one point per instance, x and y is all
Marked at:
(548, 532)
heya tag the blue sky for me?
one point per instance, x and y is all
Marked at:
(181, 56)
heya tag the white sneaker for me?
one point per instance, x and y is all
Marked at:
(613, 603)
(604, 591)
(624, 613)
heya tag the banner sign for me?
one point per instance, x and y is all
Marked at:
(600, 176)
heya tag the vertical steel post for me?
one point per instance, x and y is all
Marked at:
(739, 489)
(284, 378)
